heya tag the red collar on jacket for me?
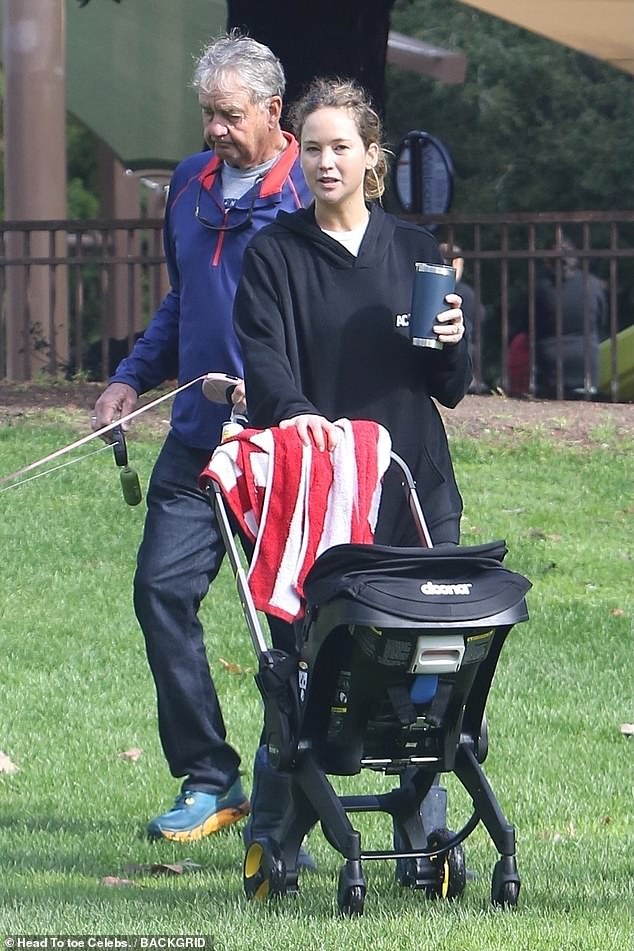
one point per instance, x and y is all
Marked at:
(274, 179)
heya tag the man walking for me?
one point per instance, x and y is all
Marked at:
(217, 200)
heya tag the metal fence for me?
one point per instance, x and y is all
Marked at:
(75, 295)
(504, 256)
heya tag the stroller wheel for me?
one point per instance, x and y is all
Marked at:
(351, 890)
(505, 885)
(351, 901)
(508, 896)
(451, 873)
(263, 871)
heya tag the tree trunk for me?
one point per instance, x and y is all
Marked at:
(35, 186)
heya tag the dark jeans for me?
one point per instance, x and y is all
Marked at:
(180, 555)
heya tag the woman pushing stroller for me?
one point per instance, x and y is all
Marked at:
(319, 314)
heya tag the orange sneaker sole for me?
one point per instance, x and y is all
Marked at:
(219, 820)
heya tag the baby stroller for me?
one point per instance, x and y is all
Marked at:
(397, 652)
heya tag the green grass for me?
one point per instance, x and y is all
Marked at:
(76, 693)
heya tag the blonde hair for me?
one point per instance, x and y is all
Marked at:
(346, 94)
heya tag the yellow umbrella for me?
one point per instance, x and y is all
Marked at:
(603, 29)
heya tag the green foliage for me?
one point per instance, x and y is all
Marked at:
(536, 126)
(75, 693)
(82, 171)
(82, 203)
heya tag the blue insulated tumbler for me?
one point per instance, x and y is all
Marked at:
(431, 283)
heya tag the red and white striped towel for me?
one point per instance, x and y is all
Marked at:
(294, 502)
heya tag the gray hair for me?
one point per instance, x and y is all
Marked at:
(258, 68)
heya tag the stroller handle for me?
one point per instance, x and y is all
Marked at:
(415, 508)
(242, 585)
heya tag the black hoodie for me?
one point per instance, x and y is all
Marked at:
(325, 332)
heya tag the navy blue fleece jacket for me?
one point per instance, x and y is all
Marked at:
(192, 332)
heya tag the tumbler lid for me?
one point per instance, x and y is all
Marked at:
(443, 269)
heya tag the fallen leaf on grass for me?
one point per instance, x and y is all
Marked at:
(113, 881)
(7, 765)
(557, 837)
(234, 668)
(544, 536)
(133, 754)
(175, 868)
(163, 868)
(536, 533)
(627, 729)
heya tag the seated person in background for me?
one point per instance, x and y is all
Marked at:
(472, 308)
(580, 292)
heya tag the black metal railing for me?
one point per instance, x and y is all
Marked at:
(504, 255)
(76, 294)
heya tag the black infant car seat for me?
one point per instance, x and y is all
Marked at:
(399, 649)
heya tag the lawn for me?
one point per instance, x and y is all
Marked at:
(78, 719)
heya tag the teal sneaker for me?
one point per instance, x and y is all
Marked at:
(196, 814)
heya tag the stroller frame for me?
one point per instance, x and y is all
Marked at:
(464, 651)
